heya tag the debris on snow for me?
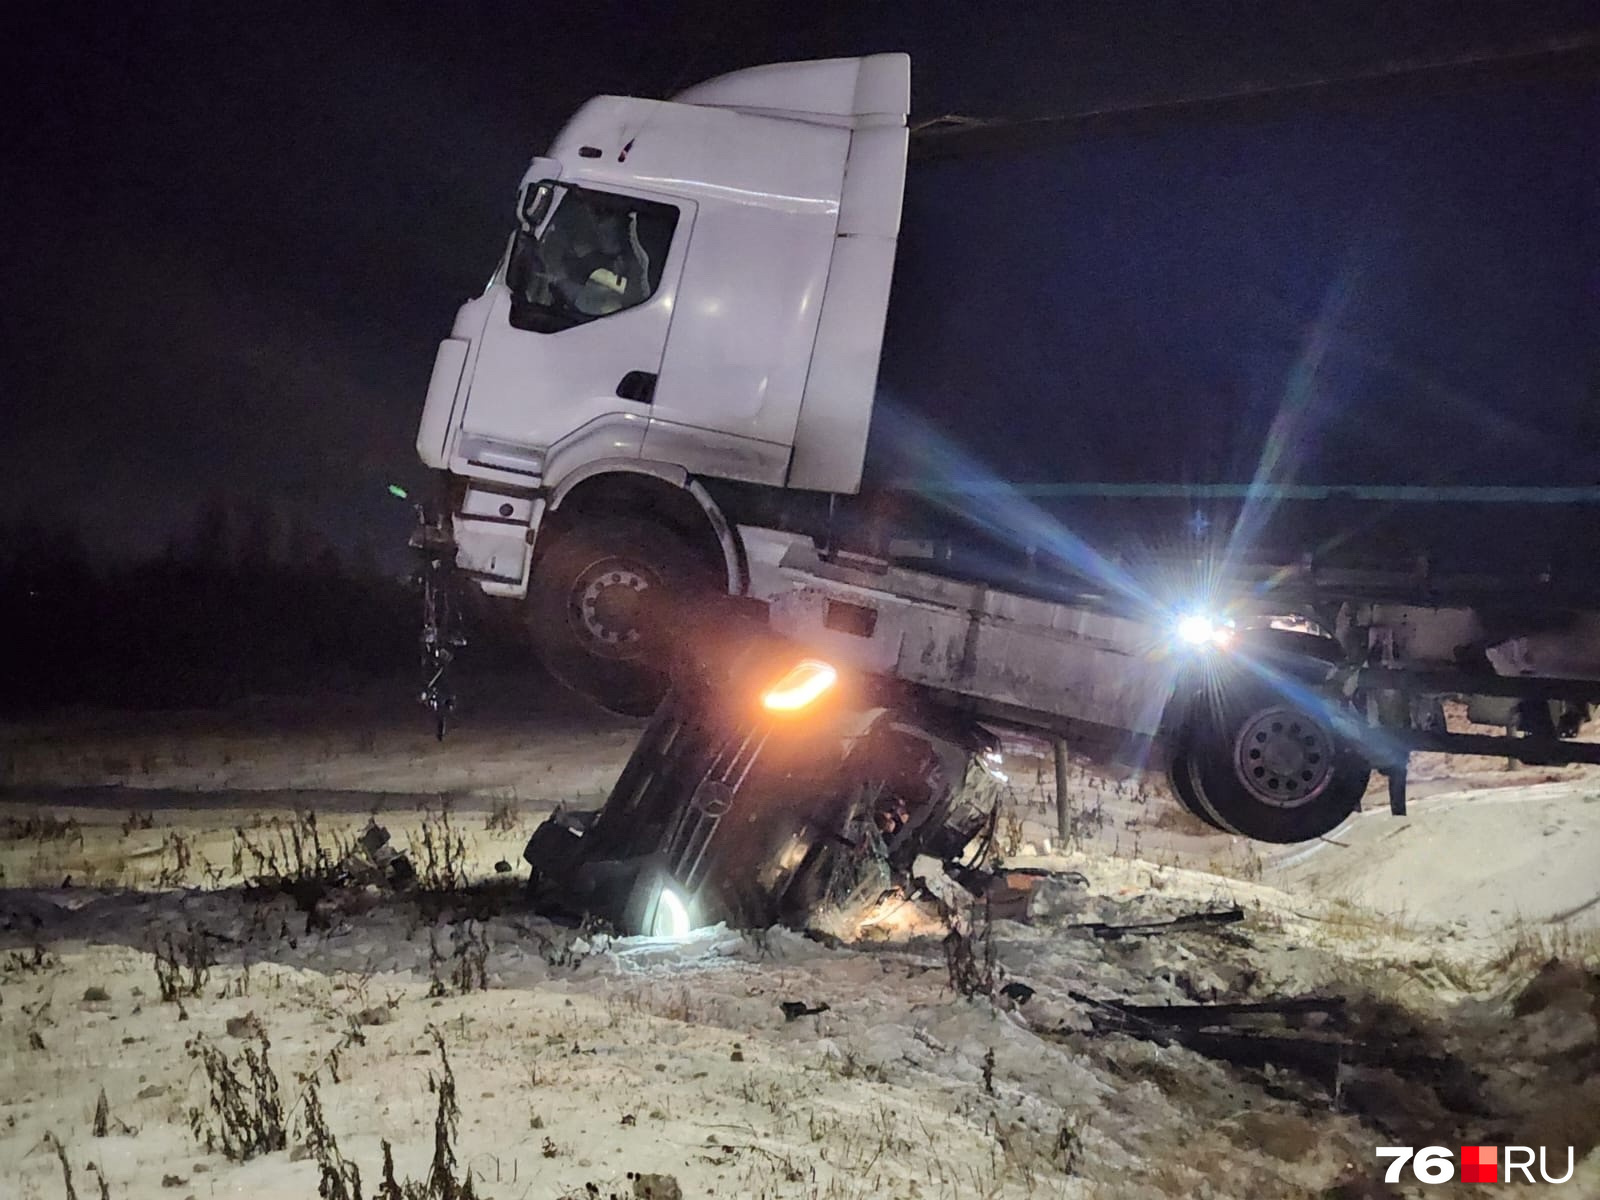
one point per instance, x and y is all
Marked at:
(1196, 920)
(793, 1010)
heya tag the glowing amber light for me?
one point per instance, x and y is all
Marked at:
(801, 686)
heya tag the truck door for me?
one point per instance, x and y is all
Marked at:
(572, 347)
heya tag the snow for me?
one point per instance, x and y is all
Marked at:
(588, 1058)
(359, 745)
(1472, 859)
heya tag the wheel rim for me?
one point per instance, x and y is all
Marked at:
(605, 606)
(1283, 758)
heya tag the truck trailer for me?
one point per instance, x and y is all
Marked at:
(1235, 449)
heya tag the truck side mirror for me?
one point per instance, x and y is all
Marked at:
(533, 205)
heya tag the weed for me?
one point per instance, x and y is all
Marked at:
(30, 962)
(846, 1065)
(54, 1143)
(287, 854)
(352, 1036)
(771, 1095)
(436, 959)
(41, 827)
(442, 1183)
(1531, 946)
(293, 858)
(137, 820)
(183, 965)
(504, 816)
(388, 1186)
(561, 951)
(970, 956)
(176, 855)
(471, 972)
(239, 988)
(246, 1117)
(340, 1178)
(439, 853)
(104, 1122)
(759, 941)
(1068, 1149)
(1086, 820)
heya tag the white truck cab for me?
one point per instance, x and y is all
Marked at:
(694, 288)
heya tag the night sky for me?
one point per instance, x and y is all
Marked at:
(232, 235)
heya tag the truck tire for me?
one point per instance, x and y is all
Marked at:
(1261, 765)
(1179, 776)
(590, 613)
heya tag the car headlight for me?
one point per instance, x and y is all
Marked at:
(671, 916)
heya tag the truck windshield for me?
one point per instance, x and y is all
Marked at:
(580, 255)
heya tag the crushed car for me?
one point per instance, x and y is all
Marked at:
(770, 787)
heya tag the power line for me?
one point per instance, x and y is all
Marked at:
(954, 133)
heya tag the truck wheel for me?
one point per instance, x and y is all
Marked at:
(592, 609)
(1260, 765)
(1181, 779)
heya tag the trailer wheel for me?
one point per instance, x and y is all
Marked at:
(593, 610)
(1261, 765)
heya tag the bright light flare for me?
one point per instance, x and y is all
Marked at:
(1197, 629)
(672, 915)
(804, 683)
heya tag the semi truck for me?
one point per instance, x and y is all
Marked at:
(1262, 450)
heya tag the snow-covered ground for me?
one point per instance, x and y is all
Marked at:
(512, 747)
(1469, 859)
(594, 1067)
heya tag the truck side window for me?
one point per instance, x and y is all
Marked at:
(582, 254)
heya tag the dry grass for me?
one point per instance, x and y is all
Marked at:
(1344, 920)
(1528, 947)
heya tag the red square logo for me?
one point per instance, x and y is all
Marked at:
(1478, 1164)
